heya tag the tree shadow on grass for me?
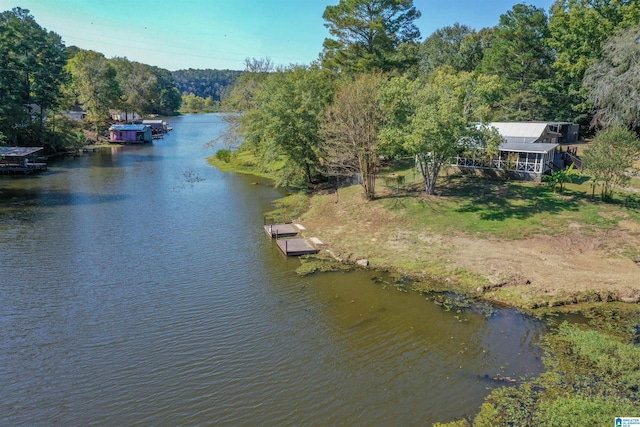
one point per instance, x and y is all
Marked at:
(499, 200)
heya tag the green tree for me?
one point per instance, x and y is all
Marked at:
(520, 55)
(242, 98)
(205, 83)
(610, 157)
(167, 98)
(447, 46)
(95, 86)
(435, 125)
(137, 84)
(193, 103)
(578, 29)
(31, 63)
(284, 123)
(368, 34)
(613, 81)
(351, 127)
(557, 179)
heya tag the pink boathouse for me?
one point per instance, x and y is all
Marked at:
(130, 134)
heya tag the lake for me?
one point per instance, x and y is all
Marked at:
(137, 287)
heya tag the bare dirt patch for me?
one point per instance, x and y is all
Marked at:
(575, 265)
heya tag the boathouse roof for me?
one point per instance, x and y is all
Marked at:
(137, 128)
(18, 151)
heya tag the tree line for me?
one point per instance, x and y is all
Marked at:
(40, 78)
(206, 83)
(377, 91)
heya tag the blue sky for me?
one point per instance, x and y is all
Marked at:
(220, 34)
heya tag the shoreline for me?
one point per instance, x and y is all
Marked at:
(569, 270)
(490, 268)
(578, 265)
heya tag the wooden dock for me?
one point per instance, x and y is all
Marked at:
(296, 247)
(17, 169)
(20, 160)
(280, 230)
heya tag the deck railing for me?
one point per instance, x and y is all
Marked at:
(500, 164)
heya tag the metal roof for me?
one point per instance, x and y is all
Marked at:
(521, 129)
(18, 151)
(140, 128)
(520, 139)
(527, 147)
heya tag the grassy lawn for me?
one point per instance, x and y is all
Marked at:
(490, 207)
(244, 161)
(592, 370)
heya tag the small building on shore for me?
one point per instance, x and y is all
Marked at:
(527, 152)
(130, 134)
(75, 113)
(157, 126)
(20, 160)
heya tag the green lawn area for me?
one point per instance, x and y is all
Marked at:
(506, 209)
(244, 161)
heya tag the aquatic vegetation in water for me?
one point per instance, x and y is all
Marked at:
(313, 264)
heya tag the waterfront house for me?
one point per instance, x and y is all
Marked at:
(130, 134)
(527, 152)
(125, 116)
(75, 113)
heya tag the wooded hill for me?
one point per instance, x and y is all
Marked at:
(205, 83)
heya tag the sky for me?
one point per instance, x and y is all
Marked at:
(221, 34)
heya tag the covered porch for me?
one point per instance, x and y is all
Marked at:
(527, 161)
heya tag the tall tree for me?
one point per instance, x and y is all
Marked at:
(610, 157)
(137, 84)
(446, 46)
(31, 63)
(167, 98)
(351, 128)
(284, 124)
(613, 81)
(438, 125)
(435, 125)
(95, 85)
(520, 55)
(578, 28)
(367, 34)
(205, 83)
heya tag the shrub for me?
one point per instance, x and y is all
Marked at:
(224, 155)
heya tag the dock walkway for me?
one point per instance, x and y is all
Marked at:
(280, 230)
(296, 247)
(284, 236)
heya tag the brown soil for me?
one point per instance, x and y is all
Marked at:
(578, 266)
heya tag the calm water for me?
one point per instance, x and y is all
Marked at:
(138, 288)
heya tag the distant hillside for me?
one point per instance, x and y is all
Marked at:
(205, 83)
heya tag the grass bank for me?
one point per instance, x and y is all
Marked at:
(512, 242)
(243, 162)
(515, 243)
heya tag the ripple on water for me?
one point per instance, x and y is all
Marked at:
(129, 297)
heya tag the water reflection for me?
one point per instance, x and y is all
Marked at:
(133, 293)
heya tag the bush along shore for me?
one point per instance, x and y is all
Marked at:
(512, 243)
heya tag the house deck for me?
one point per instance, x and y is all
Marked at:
(295, 247)
(280, 230)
